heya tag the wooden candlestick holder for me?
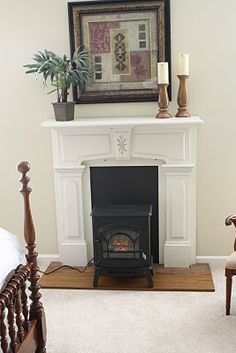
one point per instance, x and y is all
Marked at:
(163, 102)
(182, 98)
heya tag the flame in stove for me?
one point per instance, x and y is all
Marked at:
(120, 245)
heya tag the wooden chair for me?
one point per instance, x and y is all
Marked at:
(230, 267)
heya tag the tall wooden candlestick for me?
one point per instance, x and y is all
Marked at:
(182, 97)
(163, 102)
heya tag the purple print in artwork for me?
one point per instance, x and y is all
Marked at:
(140, 67)
(99, 34)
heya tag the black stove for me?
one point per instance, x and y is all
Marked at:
(122, 246)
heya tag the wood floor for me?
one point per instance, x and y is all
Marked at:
(196, 278)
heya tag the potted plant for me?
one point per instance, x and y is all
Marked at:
(62, 73)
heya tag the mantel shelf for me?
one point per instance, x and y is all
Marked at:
(122, 121)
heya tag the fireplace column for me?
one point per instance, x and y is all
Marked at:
(180, 196)
(69, 203)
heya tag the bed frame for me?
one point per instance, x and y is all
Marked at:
(22, 321)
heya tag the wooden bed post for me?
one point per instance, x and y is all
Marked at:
(36, 307)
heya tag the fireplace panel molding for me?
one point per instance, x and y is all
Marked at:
(166, 145)
(170, 144)
(74, 149)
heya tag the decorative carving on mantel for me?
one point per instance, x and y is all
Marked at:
(122, 144)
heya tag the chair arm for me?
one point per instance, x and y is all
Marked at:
(229, 220)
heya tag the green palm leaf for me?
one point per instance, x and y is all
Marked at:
(61, 72)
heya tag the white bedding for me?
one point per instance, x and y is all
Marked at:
(12, 254)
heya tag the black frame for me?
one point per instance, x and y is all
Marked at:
(161, 9)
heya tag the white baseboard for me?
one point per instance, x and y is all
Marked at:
(45, 259)
(217, 261)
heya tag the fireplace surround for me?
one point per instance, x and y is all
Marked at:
(170, 144)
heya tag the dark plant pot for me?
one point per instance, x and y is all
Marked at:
(64, 111)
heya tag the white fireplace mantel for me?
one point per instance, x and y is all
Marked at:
(170, 144)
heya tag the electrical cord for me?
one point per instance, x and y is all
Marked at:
(67, 266)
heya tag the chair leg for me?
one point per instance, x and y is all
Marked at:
(228, 290)
(41, 349)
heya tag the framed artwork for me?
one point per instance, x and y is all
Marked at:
(125, 40)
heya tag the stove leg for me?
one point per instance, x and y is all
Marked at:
(149, 278)
(96, 277)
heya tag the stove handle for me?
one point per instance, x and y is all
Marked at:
(144, 256)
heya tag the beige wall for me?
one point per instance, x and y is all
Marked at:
(205, 29)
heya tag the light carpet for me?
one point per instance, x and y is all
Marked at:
(140, 322)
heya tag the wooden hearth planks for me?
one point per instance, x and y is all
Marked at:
(196, 278)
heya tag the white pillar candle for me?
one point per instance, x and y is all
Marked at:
(162, 73)
(183, 64)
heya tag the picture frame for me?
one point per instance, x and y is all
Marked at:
(125, 40)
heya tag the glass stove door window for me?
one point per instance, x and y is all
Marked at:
(121, 243)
